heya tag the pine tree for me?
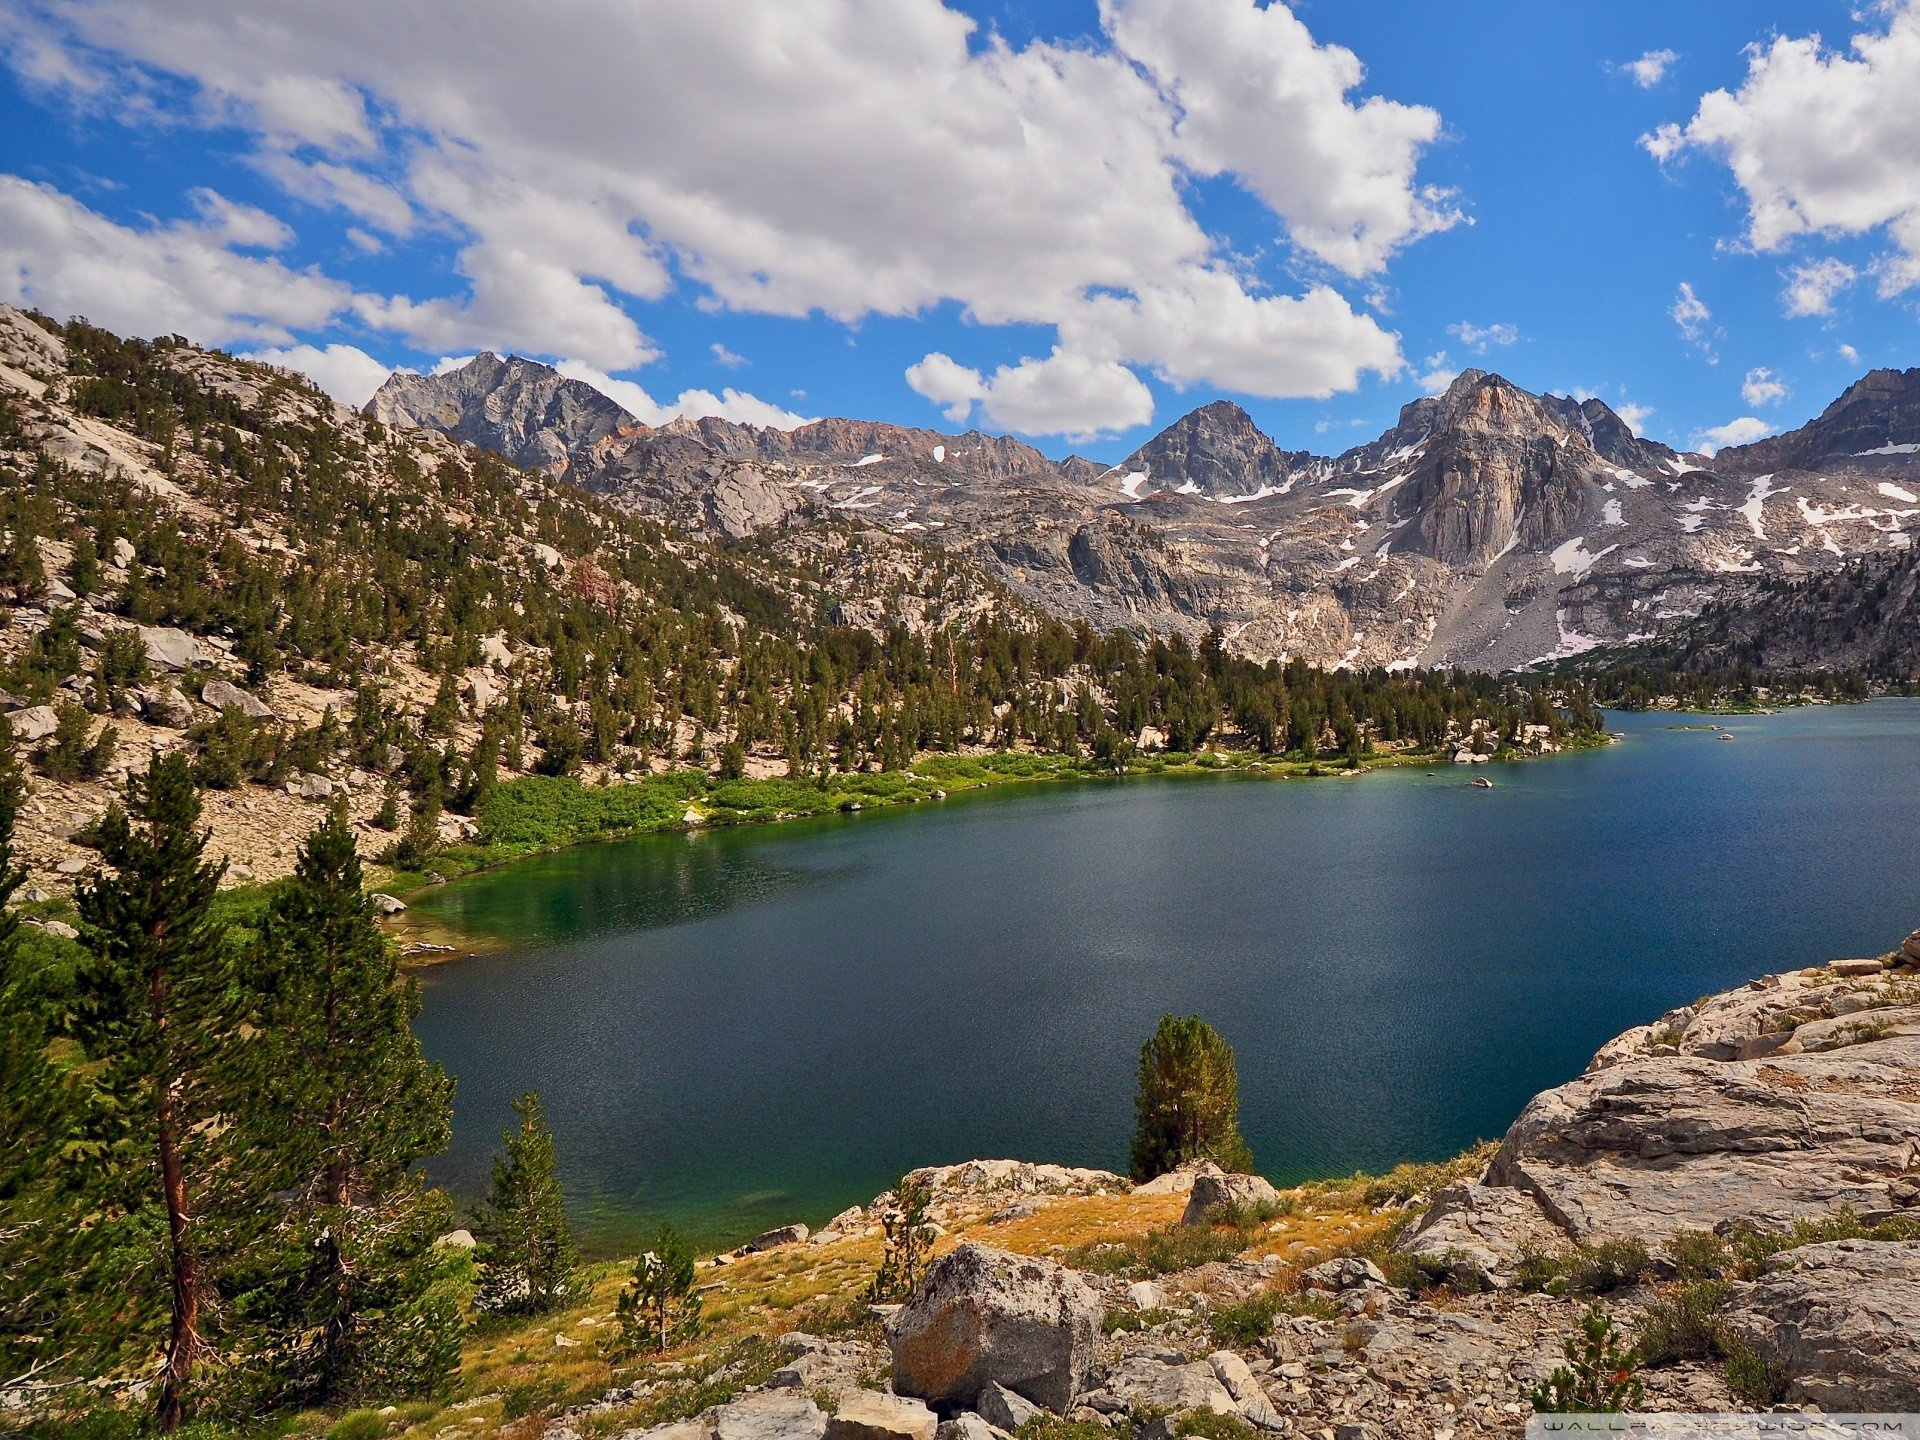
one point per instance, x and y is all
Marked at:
(1188, 1103)
(658, 1309)
(530, 1255)
(156, 1020)
(346, 1107)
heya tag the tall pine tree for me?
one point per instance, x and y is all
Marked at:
(530, 1255)
(346, 1107)
(157, 1018)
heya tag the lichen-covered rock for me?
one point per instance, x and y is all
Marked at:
(985, 1315)
(1480, 1231)
(1213, 1190)
(1840, 1321)
(1004, 1409)
(1161, 1381)
(871, 1415)
(224, 694)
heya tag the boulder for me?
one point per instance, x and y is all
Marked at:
(123, 551)
(222, 694)
(1145, 1295)
(1216, 1189)
(36, 722)
(1161, 1381)
(984, 1315)
(1653, 1146)
(768, 1415)
(169, 649)
(1910, 947)
(1481, 1231)
(1868, 965)
(1237, 1376)
(384, 904)
(458, 1240)
(1348, 1272)
(968, 1426)
(870, 1415)
(774, 1239)
(310, 787)
(1839, 1319)
(1003, 1409)
(165, 705)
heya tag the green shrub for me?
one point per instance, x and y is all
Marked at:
(1605, 1267)
(1212, 1425)
(1247, 1322)
(1753, 1247)
(1053, 1427)
(1165, 1251)
(1599, 1376)
(1760, 1383)
(1684, 1324)
(1699, 1255)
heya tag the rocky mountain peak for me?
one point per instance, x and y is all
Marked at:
(1876, 416)
(526, 411)
(1216, 451)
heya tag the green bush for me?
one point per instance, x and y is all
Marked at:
(1605, 1267)
(1212, 1425)
(1684, 1324)
(358, 1425)
(1760, 1383)
(1246, 1323)
(1164, 1251)
(1600, 1374)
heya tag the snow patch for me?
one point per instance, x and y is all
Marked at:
(939, 454)
(1631, 480)
(1610, 514)
(1573, 558)
(866, 461)
(1756, 501)
(1130, 484)
(1890, 450)
(1895, 492)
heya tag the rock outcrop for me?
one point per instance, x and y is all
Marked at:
(984, 1315)
(1837, 1320)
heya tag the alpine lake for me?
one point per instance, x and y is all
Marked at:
(739, 1028)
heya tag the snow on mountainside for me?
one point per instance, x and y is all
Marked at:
(1488, 527)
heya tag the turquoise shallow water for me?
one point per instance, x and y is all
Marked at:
(741, 1028)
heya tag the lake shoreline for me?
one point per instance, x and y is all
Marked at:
(440, 944)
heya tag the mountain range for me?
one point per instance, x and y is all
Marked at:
(1490, 527)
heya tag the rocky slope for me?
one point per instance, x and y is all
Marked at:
(1488, 527)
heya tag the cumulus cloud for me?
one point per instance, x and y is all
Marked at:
(947, 383)
(1437, 374)
(1478, 338)
(1849, 354)
(1062, 394)
(346, 372)
(1820, 141)
(730, 404)
(1744, 431)
(1763, 387)
(1650, 69)
(1811, 287)
(853, 158)
(181, 278)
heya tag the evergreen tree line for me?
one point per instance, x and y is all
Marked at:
(210, 1133)
(647, 649)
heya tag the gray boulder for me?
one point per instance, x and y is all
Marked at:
(310, 787)
(221, 694)
(968, 1426)
(36, 722)
(1481, 1231)
(984, 1315)
(1212, 1189)
(870, 1415)
(768, 1415)
(384, 904)
(1839, 1319)
(1649, 1147)
(774, 1239)
(1002, 1408)
(1161, 1381)
(165, 705)
(169, 649)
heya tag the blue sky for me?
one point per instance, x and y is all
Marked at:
(1069, 220)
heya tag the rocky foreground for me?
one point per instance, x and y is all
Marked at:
(1794, 1101)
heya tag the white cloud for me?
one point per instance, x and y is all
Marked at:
(1438, 374)
(448, 363)
(821, 165)
(1849, 354)
(947, 383)
(1811, 287)
(1063, 394)
(346, 372)
(1634, 417)
(730, 404)
(1478, 338)
(723, 356)
(1763, 387)
(1258, 98)
(1651, 68)
(1693, 317)
(1821, 141)
(1067, 395)
(1743, 431)
(181, 278)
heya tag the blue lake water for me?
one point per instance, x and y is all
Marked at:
(740, 1028)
